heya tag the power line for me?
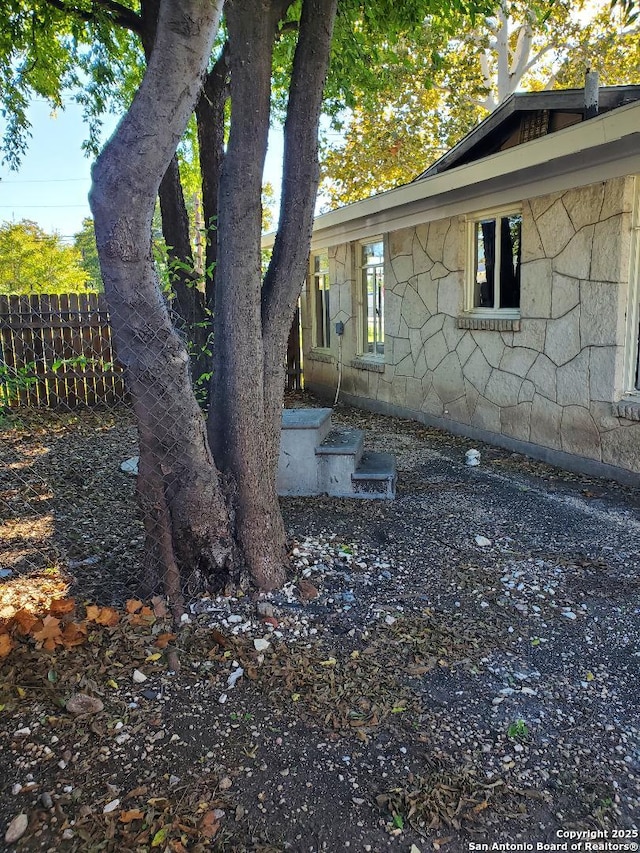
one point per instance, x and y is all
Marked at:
(43, 180)
(51, 206)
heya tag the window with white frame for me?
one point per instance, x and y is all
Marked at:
(320, 309)
(494, 262)
(372, 283)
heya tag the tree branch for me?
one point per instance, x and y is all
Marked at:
(117, 14)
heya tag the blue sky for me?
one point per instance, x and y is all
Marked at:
(52, 184)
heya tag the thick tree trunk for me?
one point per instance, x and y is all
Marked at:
(237, 421)
(184, 485)
(288, 265)
(190, 316)
(252, 325)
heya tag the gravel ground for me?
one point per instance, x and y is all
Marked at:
(457, 667)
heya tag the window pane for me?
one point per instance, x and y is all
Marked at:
(372, 253)
(485, 261)
(320, 296)
(510, 257)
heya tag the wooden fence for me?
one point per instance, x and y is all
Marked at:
(56, 351)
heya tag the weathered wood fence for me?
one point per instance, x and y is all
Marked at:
(56, 351)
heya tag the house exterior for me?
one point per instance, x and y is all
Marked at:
(497, 295)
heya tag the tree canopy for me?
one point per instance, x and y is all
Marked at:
(437, 86)
(32, 261)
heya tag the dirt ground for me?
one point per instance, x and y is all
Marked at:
(452, 669)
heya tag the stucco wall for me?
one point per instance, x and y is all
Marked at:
(551, 383)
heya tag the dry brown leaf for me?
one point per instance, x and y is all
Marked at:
(6, 645)
(24, 620)
(93, 611)
(74, 634)
(159, 607)
(133, 605)
(131, 814)
(62, 606)
(307, 590)
(138, 792)
(47, 629)
(108, 617)
(163, 640)
(209, 825)
(145, 616)
(220, 638)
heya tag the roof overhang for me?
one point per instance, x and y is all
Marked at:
(604, 147)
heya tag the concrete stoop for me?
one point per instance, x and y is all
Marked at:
(318, 459)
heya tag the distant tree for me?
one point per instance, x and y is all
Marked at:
(85, 242)
(439, 86)
(32, 261)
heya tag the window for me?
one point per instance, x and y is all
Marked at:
(494, 262)
(372, 272)
(321, 337)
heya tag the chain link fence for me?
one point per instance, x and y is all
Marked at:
(71, 523)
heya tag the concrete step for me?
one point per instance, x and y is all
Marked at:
(338, 458)
(375, 476)
(302, 431)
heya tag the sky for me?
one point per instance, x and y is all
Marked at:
(52, 184)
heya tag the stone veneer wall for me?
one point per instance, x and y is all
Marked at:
(553, 382)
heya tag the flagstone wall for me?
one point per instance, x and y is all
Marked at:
(553, 378)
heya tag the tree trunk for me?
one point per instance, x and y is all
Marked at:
(288, 266)
(183, 483)
(237, 421)
(252, 323)
(210, 121)
(191, 318)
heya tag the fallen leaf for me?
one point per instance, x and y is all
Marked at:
(133, 605)
(24, 620)
(112, 683)
(307, 590)
(160, 836)
(131, 814)
(328, 662)
(220, 638)
(93, 611)
(153, 657)
(163, 640)
(80, 703)
(108, 617)
(74, 634)
(145, 616)
(137, 792)
(159, 607)
(48, 629)
(62, 606)
(209, 825)
(6, 645)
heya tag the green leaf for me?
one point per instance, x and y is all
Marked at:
(160, 837)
